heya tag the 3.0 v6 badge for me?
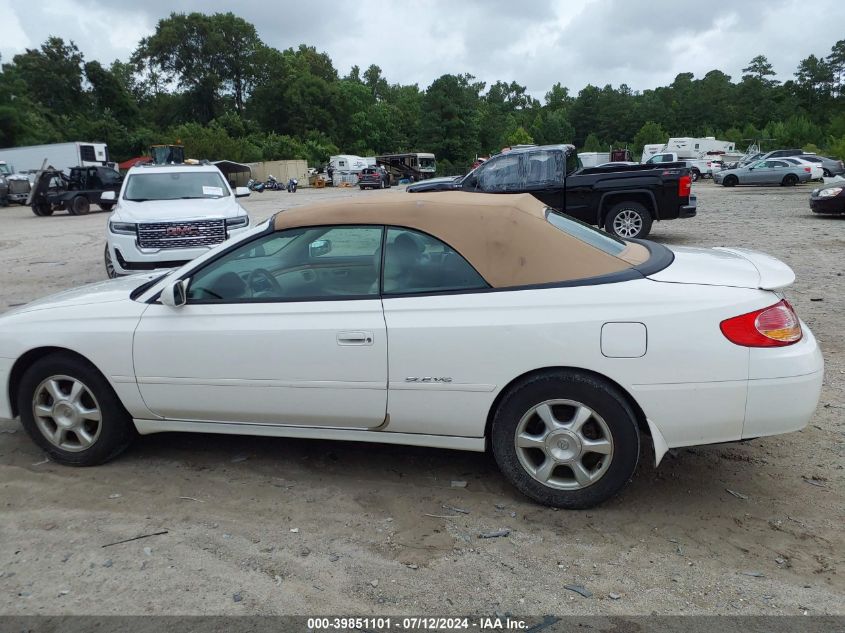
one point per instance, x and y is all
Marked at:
(428, 379)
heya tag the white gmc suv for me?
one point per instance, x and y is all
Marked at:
(166, 215)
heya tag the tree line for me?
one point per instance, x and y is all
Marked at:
(208, 81)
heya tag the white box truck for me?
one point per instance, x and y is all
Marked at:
(61, 156)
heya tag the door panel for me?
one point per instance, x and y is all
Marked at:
(271, 363)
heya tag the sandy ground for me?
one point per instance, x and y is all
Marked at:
(277, 526)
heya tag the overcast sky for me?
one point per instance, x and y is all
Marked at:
(643, 43)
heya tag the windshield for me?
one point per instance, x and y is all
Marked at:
(175, 185)
(585, 233)
(4, 169)
(427, 164)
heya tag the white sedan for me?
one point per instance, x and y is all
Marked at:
(463, 321)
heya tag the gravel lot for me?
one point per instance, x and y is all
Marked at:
(277, 526)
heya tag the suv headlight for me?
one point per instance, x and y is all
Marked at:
(123, 228)
(829, 193)
(237, 223)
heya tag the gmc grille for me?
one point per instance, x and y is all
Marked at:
(181, 234)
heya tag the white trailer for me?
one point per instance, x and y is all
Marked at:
(61, 156)
(345, 168)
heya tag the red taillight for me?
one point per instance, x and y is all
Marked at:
(775, 326)
(807, 169)
(684, 186)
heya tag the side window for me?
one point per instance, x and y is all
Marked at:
(543, 168)
(779, 163)
(313, 263)
(415, 263)
(87, 153)
(500, 174)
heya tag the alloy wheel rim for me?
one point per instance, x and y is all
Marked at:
(67, 413)
(627, 223)
(564, 444)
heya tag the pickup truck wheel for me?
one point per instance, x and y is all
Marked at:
(628, 219)
(730, 181)
(69, 409)
(80, 205)
(695, 175)
(790, 180)
(42, 208)
(566, 439)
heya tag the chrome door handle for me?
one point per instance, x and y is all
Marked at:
(354, 338)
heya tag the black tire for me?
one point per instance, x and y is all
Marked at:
(826, 172)
(110, 271)
(628, 220)
(595, 394)
(80, 205)
(362, 187)
(115, 429)
(42, 209)
(730, 181)
(695, 175)
(790, 180)
(106, 206)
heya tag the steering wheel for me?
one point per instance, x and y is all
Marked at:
(260, 273)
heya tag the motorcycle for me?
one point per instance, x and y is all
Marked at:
(254, 185)
(292, 183)
(272, 184)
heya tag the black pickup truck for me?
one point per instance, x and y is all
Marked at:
(625, 200)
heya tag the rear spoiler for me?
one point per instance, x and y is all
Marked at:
(774, 274)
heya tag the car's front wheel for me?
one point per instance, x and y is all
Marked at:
(628, 220)
(730, 181)
(110, 271)
(69, 409)
(566, 439)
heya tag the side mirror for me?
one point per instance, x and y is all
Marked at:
(108, 196)
(173, 295)
(241, 192)
(319, 247)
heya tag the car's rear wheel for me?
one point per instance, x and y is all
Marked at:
(826, 172)
(730, 181)
(790, 180)
(628, 220)
(566, 439)
(71, 411)
(695, 175)
(80, 205)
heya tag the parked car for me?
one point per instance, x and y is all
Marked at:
(775, 153)
(829, 199)
(624, 200)
(167, 215)
(816, 171)
(830, 166)
(511, 326)
(763, 172)
(374, 178)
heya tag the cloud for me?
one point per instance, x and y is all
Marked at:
(534, 42)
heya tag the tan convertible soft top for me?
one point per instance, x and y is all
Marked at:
(507, 238)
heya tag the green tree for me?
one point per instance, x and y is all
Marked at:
(650, 133)
(760, 69)
(449, 124)
(593, 144)
(519, 137)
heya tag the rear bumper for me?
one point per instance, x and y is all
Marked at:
(689, 210)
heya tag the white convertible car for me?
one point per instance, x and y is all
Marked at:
(454, 320)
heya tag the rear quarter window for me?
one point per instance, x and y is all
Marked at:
(585, 233)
